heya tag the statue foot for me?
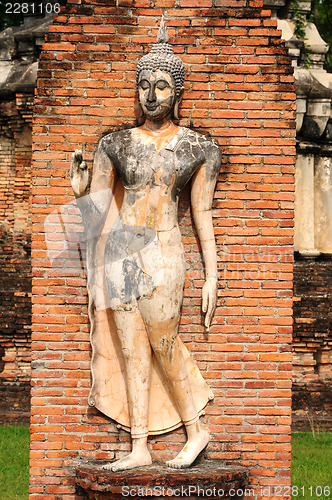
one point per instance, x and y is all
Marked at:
(134, 459)
(190, 451)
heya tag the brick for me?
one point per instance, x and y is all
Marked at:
(239, 90)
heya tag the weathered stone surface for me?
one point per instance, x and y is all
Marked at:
(212, 476)
(304, 206)
(19, 50)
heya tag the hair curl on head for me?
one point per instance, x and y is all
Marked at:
(161, 56)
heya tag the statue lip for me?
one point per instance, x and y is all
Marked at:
(151, 108)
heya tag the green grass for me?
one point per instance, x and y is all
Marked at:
(14, 462)
(312, 465)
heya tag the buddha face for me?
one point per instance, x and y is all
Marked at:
(156, 92)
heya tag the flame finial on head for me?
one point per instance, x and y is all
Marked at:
(162, 36)
(162, 57)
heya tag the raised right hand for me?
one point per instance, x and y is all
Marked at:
(79, 174)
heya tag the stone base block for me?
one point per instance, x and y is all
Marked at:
(209, 479)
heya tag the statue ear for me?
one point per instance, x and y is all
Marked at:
(177, 104)
(141, 114)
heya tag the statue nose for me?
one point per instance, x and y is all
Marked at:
(152, 94)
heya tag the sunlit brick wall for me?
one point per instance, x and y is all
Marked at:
(239, 89)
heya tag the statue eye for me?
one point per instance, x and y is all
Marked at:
(144, 84)
(161, 85)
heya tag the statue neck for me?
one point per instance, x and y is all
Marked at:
(165, 126)
(158, 133)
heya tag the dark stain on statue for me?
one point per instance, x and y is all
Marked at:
(130, 157)
(124, 248)
(135, 281)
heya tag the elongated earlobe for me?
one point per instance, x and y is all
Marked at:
(177, 104)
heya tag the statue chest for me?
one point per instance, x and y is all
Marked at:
(153, 169)
(167, 169)
(139, 164)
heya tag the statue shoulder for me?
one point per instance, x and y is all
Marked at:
(209, 145)
(115, 141)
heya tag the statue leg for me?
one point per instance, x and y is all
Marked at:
(137, 355)
(161, 315)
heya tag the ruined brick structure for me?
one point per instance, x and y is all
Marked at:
(312, 345)
(16, 101)
(20, 47)
(312, 340)
(239, 88)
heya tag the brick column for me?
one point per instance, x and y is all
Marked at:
(239, 89)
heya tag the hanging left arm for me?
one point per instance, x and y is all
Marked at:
(202, 191)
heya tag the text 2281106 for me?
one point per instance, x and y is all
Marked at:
(27, 8)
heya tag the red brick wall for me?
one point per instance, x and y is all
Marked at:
(15, 162)
(238, 89)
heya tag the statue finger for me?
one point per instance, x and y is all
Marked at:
(204, 301)
(210, 313)
(74, 161)
(207, 323)
(208, 318)
(78, 155)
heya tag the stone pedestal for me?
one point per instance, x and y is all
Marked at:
(210, 479)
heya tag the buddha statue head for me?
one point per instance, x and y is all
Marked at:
(159, 79)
